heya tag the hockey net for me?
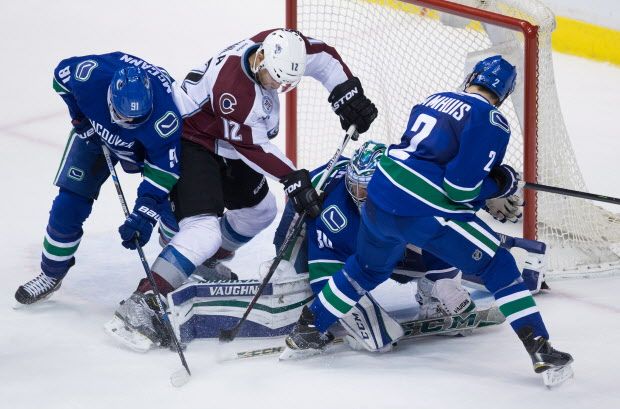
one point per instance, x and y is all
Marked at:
(404, 51)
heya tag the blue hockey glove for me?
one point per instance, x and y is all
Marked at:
(82, 128)
(139, 223)
(507, 179)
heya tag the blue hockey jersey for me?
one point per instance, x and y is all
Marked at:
(441, 166)
(332, 236)
(151, 148)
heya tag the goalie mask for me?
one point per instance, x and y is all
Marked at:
(284, 58)
(361, 168)
(130, 97)
(496, 75)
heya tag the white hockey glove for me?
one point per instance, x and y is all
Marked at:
(506, 208)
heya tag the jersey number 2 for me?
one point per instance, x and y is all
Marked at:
(421, 128)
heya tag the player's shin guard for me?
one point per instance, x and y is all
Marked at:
(170, 270)
(64, 233)
(516, 303)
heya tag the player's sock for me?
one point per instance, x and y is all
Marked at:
(519, 308)
(58, 252)
(336, 299)
(172, 267)
(231, 239)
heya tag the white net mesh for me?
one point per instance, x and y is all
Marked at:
(403, 53)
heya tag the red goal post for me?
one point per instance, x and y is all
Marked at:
(405, 50)
(530, 91)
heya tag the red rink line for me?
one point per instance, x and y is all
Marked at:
(9, 130)
(29, 121)
(590, 303)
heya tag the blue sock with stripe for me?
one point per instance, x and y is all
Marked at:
(336, 299)
(518, 306)
(64, 233)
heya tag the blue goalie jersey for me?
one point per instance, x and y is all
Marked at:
(441, 166)
(332, 236)
(153, 147)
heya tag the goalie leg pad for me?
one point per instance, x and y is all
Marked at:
(370, 327)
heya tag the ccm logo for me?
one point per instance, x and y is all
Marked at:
(290, 189)
(344, 99)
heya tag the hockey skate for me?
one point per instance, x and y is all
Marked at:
(305, 340)
(37, 289)
(137, 323)
(554, 365)
(213, 270)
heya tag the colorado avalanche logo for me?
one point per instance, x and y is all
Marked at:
(267, 104)
(227, 103)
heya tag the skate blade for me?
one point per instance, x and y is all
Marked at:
(19, 306)
(556, 376)
(132, 339)
(297, 354)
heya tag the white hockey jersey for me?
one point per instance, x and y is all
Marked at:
(227, 111)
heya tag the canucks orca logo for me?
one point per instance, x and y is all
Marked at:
(498, 120)
(167, 124)
(334, 219)
(76, 173)
(84, 69)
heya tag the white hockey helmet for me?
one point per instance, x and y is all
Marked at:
(284, 58)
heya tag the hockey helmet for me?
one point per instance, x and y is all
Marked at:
(496, 75)
(360, 169)
(130, 97)
(284, 58)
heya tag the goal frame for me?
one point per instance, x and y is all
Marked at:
(530, 92)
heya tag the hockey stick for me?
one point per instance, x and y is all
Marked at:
(179, 377)
(228, 334)
(569, 192)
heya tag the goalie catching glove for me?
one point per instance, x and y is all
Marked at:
(298, 187)
(352, 106)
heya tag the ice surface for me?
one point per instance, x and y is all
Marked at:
(56, 355)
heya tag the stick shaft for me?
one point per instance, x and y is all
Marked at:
(569, 192)
(232, 332)
(145, 264)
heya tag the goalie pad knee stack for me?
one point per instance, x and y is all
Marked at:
(200, 310)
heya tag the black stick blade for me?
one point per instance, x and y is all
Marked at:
(227, 335)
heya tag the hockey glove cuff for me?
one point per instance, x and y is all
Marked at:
(352, 106)
(139, 223)
(299, 189)
(507, 180)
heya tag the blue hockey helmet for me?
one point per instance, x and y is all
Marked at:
(360, 169)
(130, 97)
(496, 75)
